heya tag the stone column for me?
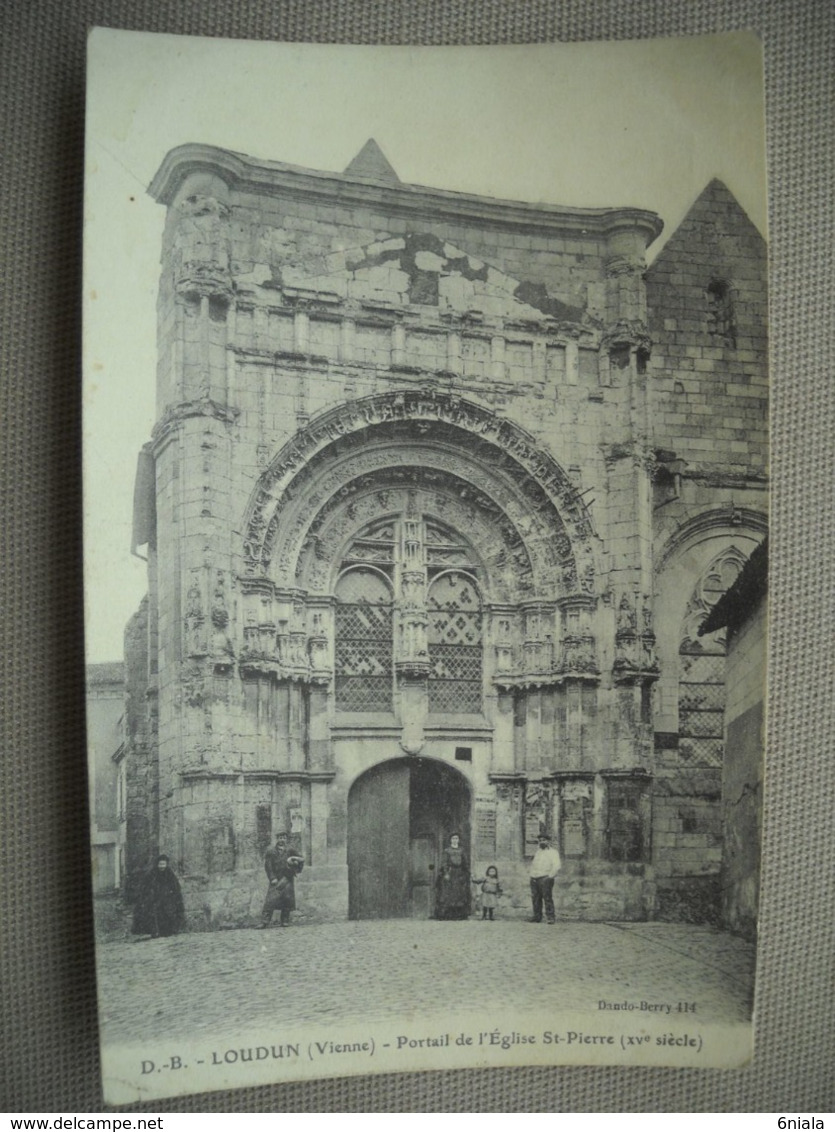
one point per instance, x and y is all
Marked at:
(503, 756)
(412, 656)
(627, 345)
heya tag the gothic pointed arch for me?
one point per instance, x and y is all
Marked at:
(712, 522)
(716, 580)
(689, 575)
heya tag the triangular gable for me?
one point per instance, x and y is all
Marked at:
(714, 233)
(372, 164)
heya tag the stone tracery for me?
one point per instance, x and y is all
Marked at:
(491, 454)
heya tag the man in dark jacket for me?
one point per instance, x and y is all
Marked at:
(282, 865)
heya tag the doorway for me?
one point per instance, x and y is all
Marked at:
(400, 813)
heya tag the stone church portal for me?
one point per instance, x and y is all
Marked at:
(441, 490)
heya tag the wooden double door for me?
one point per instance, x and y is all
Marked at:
(400, 815)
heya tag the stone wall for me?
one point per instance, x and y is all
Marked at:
(742, 774)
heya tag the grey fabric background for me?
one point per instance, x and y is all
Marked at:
(49, 1044)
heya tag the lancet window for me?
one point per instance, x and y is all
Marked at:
(364, 618)
(455, 643)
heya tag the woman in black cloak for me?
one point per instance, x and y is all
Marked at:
(159, 906)
(453, 897)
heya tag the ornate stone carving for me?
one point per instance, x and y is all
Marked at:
(192, 683)
(195, 622)
(627, 620)
(635, 660)
(295, 646)
(502, 453)
(632, 334)
(201, 247)
(413, 708)
(318, 647)
(578, 653)
(412, 659)
(501, 549)
(538, 646)
(503, 646)
(222, 649)
(578, 656)
(508, 792)
(538, 812)
(220, 614)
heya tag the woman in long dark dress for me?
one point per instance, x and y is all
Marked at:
(159, 907)
(453, 897)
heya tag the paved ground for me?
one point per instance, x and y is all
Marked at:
(210, 983)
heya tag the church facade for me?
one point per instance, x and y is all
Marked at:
(441, 489)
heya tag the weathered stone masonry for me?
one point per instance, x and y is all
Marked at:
(442, 489)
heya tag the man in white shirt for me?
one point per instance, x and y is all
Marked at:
(545, 865)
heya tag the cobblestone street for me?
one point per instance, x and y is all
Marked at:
(205, 984)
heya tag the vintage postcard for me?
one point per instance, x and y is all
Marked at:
(426, 451)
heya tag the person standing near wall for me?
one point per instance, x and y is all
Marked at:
(159, 909)
(453, 901)
(545, 865)
(282, 866)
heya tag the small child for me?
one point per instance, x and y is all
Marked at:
(490, 891)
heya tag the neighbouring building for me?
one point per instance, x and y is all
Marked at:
(742, 613)
(105, 735)
(441, 490)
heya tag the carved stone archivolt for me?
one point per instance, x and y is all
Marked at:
(384, 487)
(415, 486)
(498, 462)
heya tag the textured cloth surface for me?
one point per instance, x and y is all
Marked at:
(50, 1052)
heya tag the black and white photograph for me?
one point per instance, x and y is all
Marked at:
(426, 506)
